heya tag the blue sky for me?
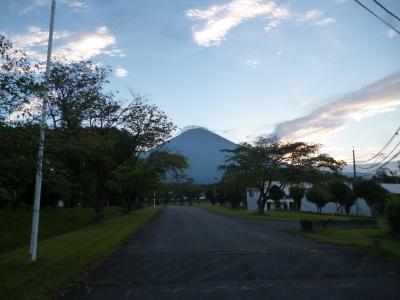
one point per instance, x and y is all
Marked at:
(323, 71)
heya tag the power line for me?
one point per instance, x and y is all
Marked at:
(377, 164)
(385, 9)
(393, 157)
(383, 148)
(370, 11)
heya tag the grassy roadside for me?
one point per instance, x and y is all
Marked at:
(62, 259)
(378, 240)
(15, 226)
(281, 215)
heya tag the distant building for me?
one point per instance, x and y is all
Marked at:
(307, 206)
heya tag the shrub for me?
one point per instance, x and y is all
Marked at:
(392, 210)
(319, 195)
(297, 192)
(276, 194)
(373, 194)
(306, 225)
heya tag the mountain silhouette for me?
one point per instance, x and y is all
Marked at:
(202, 148)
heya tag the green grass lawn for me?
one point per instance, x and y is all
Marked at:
(63, 258)
(275, 215)
(15, 226)
(387, 245)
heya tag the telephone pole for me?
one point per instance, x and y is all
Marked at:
(39, 167)
(355, 179)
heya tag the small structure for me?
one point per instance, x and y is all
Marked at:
(60, 204)
(307, 206)
(254, 193)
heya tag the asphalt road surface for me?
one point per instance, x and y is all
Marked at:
(190, 253)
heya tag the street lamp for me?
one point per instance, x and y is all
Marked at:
(39, 167)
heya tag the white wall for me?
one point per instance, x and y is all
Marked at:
(392, 187)
(363, 208)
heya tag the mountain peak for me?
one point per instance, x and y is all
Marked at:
(202, 147)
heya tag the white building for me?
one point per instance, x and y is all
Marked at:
(361, 205)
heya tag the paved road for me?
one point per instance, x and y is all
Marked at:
(190, 253)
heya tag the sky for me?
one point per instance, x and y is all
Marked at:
(322, 71)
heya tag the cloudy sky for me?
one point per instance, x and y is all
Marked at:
(323, 71)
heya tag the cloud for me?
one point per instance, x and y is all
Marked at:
(310, 15)
(325, 22)
(217, 20)
(379, 97)
(252, 63)
(391, 33)
(34, 41)
(70, 45)
(90, 45)
(37, 37)
(121, 72)
(220, 19)
(76, 5)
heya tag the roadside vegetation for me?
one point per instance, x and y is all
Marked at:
(95, 141)
(379, 241)
(384, 239)
(279, 170)
(15, 226)
(275, 215)
(63, 259)
(102, 157)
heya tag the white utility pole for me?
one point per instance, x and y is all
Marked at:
(38, 179)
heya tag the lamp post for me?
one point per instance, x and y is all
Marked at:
(39, 167)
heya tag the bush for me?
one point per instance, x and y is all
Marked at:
(306, 225)
(392, 211)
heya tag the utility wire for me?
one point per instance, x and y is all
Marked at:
(377, 164)
(383, 148)
(385, 9)
(393, 157)
(370, 11)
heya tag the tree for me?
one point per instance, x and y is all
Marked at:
(167, 163)
(342, 195)
(94, 143)
(105, 133)
(78, 98)
(297, 192)
(272, 160)
(318, 195)
(373, 194)
(17, 164)
(210, 196)
(276, 193)
(392, 212)
(386, 175)
(16, 80)
(232, 187)
(132, 181)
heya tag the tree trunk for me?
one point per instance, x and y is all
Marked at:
(298, 204)
(261, 205)
(99, 205)
(99, 211)
(128, 207)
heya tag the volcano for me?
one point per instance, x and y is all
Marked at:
(202, 148)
